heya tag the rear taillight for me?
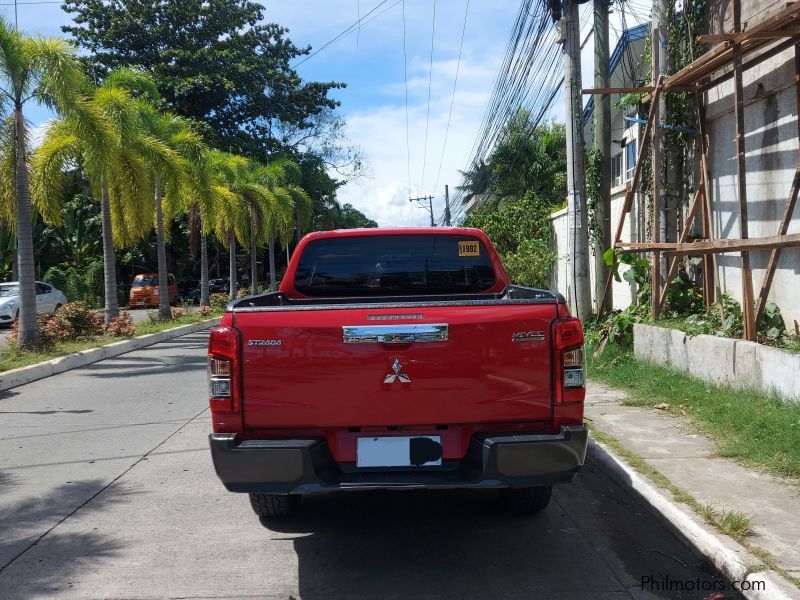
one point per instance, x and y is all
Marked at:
(569, 358)
(223, 345)
(219, 377)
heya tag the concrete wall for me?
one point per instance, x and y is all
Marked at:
(722, 361)
(772, 153)
(623, 293)
(771, 144)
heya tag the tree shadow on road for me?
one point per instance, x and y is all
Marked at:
(34, 563)
(145, 366)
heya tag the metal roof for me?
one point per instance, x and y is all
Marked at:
(628, 37)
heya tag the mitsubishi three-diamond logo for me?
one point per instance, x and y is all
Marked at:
(397, 375)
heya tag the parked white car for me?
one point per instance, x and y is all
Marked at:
(48, 300)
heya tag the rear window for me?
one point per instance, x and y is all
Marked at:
(394, 265)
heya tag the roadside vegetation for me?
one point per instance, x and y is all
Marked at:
(521, 183)
(76, 327)
(150, 165)
(758, 430)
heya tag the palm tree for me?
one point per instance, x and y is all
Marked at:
(102, 135)
(294, 208)
(175, 153)
(250, 182)
(42, 70)
(229, 215)
(477, 179)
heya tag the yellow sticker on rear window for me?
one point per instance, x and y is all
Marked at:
(469, 248)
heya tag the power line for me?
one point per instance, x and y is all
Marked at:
(452, 97)
(405, 75)
(341, 35)
(428, 109)
(528, 78)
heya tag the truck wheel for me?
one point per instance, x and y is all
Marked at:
(275, 506)
(526, 500)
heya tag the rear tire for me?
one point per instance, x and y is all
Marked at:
(275, 506)
(526, 500)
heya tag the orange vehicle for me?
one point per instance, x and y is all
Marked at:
(145, 290)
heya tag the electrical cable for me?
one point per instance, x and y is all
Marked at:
(428, 109)
(350, 29)
(452, 98)
(405, 75)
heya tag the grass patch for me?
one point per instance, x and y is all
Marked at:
(730, 522)
(752, 428)
(157, 326)
(13, 358)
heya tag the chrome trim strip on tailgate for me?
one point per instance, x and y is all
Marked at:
(394, 334)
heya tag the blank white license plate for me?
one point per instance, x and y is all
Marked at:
(392, 451)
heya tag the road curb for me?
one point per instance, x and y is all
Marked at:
(16, 377)
(727, 555)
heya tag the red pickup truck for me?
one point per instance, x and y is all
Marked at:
(396, 359)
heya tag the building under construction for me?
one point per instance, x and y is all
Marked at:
(737, 214)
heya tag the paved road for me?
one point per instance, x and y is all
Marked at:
(107, 490)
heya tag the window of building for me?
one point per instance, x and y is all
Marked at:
(616, 170)
(630, 159)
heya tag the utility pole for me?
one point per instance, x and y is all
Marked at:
(421, 201)
(578, 230)
(446, 205)
(660, 40)
(602, 145)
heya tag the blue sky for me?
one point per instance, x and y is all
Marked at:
(373, 104)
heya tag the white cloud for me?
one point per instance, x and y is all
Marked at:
(381, 133)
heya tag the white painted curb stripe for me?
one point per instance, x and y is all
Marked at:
(21, 376)
(729, 557)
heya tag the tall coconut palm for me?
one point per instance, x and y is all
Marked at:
(45, 71)
(248, 181)
(201, 207)
(230, 218)
(294, 207)
(100, 134)
(174, 152)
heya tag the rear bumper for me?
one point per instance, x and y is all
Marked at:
(306, 465)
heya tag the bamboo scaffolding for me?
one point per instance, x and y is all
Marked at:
(750, 44)
(713, 246)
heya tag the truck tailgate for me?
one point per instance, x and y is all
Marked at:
(299, 371)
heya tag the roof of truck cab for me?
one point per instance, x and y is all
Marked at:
(396, 231)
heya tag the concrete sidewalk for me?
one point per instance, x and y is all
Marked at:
(690, 461)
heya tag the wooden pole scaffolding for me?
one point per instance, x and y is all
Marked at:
(788, 210)
(714, 246)
(709, 262)
(673, 266)
(741, 178)
(630, 193)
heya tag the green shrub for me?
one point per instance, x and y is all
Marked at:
(121, 326)
(531, 264)
(219, 301)
(204, 311)
(85, 285)
(80, 319)
(51, 330)
(520, 232)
